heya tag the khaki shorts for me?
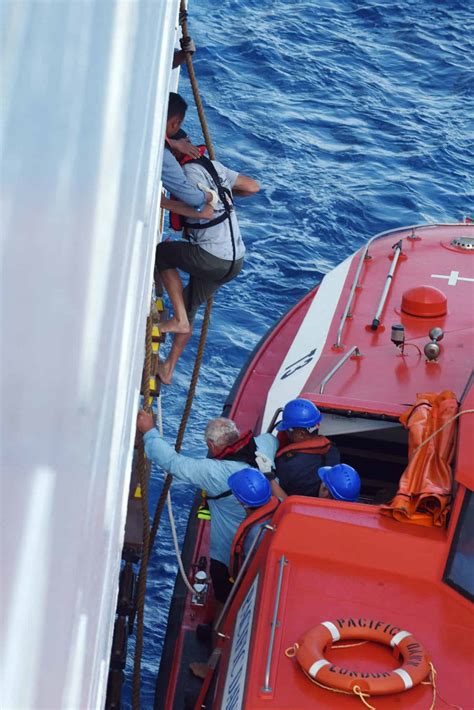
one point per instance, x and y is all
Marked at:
(207, 272)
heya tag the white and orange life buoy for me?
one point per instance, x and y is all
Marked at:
(309, 652)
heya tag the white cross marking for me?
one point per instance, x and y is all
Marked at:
(453, 278)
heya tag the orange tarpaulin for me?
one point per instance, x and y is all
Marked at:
(424, 491)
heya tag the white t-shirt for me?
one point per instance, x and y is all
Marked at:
(216, 240)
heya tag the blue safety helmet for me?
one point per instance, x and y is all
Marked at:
(299, 414)
(342, 481)
(250, 487)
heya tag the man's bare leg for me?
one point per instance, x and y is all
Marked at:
(174, 287)
(166, 367)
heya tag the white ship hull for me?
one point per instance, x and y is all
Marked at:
(84, 97)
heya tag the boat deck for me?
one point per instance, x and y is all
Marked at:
(392, 574)
(301, 352)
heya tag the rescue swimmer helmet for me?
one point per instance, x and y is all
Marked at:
(300, 414)
(250, 487)
(342, 481)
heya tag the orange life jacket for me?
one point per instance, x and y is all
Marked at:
(244, 450)
(297, 463)
(260, 515)
(318, 445)
(177, 221)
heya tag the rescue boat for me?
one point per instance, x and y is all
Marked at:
(343, 604)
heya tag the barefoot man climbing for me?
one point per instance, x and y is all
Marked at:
(212, 254)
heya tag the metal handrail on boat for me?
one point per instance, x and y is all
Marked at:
(271, 426)
(241, 573)
(388, 282)
(353, 351)
(266, 685)
(363, 257)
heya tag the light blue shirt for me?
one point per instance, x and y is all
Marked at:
(174, 180)
(211, 475)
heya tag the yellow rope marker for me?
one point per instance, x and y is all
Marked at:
(138, 492)
(142, 470)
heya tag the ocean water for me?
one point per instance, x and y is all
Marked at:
(356, 117)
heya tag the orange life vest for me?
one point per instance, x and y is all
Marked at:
(318, 445)
(297, 463)
(260, 515)
(244, 450)
(177, 221)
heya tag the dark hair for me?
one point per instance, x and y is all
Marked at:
(176, 106)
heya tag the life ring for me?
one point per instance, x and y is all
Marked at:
(309, 652)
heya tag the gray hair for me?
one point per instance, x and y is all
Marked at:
(221, 431)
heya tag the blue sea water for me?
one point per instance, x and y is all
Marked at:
(356, 117)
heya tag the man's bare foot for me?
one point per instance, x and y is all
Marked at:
(164, 372)
(200, 670)
(173, 325)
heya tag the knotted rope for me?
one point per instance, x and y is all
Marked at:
(183, 19)
(149, 534)
(207, 313)
(142, 470)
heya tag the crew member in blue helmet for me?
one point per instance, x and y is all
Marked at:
(253, 490)
(302, 450)
(229, 450)
(341, 482)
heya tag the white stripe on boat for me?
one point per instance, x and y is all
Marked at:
(306, 348)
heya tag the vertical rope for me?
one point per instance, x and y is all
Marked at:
(149, 534)
(195, 375)
(194, 84)
(207, 313)
(142, 471)
(184, 420)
